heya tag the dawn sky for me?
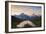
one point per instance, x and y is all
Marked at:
(29, 10)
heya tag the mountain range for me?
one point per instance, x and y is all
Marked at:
(26, 17)
(16, 19)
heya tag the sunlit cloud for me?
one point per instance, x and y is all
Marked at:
(29, 10)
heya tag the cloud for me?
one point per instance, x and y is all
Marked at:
(29, 10)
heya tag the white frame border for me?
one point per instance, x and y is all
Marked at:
(25, 29)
